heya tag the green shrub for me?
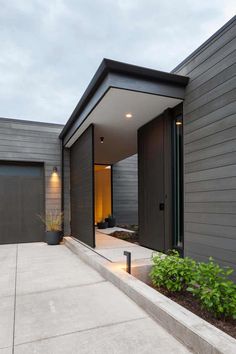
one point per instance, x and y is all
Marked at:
(208, 282)
(211, 286)
(172, 272)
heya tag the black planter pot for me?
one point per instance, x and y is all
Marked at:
(53, 237)
(102, 225)
(111, 221)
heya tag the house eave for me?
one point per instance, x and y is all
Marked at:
(108, 66)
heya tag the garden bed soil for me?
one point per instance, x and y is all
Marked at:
(126, 236)
(188, 301)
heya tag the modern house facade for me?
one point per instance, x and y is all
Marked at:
(169, 140)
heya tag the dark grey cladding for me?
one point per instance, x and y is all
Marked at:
(125, 191)
(210, 148)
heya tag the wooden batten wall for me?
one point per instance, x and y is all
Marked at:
(82, 188)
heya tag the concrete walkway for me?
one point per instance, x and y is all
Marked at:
(52, 302)
(113, 249)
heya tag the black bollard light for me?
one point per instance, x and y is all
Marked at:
(128, 261)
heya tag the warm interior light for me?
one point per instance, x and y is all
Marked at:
(107, 167)
(102, 192)
(178, 122)
(129, 115)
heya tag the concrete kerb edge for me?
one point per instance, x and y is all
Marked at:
(194, 332)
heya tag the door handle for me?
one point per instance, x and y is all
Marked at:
(161, 206)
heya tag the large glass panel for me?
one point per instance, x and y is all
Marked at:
(178, 182)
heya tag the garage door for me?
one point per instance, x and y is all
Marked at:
(21, 201)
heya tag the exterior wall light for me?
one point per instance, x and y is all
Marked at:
(54, 170)
(102, 139)
(178, 122)
(129, 115)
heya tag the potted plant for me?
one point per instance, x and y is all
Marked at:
(102, 224)
(111, 220)
(53, 223)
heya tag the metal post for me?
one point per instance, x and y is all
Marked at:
(128, 261)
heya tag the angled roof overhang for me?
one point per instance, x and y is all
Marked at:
(116, 89)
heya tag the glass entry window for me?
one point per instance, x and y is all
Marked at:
(178, 182)
(102, 192)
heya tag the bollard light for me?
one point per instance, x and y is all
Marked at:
(128, 261)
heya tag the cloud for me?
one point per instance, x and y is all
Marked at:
(51, 49)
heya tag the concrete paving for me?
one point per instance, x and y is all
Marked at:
(61, 305)
(113, 249)
(110, 230)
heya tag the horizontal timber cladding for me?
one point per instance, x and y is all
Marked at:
(125, 190)
(210, 149)
(27, 141)
(82, 187)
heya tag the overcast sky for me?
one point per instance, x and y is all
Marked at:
(50, 49)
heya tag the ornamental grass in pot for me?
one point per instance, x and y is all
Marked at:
(53, 222)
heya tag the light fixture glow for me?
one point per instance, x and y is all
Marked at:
(178, 122)
(54, 170)
(107, 167)
(129, 115)
(102, 139)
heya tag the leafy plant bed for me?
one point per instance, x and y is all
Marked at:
(202, 287)
(126, 236)
(187, 300)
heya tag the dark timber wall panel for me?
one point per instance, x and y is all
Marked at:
(155, 181)
(125, 190)
(34, 142)
(82, 188)
(210, 149)
(151, 184)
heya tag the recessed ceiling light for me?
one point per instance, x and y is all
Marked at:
(129, 115)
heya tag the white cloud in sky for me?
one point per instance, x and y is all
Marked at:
(51, 49)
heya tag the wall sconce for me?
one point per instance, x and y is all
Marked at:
(54, 170)
(102, 139)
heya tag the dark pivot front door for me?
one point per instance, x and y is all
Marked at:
(82, 188)
(21, 201)
(151, 184)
